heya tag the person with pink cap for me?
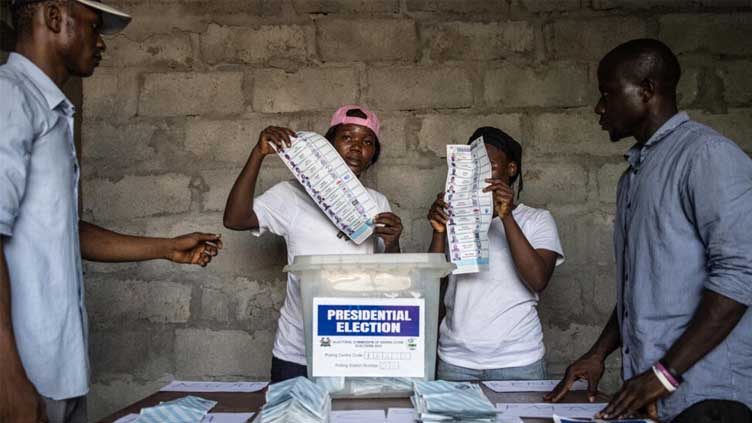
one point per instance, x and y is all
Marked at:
(288, 211)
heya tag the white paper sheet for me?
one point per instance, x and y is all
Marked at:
(530, 385)
(331, 184)
(210, 418)
(357, 416)
(547, 410)
(470, 210)
(400, 415)
(198, 386)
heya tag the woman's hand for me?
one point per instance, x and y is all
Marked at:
(437, 214)
(503, 196)
(389, 228)
(274, 139)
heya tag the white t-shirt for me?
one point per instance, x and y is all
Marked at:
(491, 318)
(287, 210)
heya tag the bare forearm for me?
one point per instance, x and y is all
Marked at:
(535, 270)
(239, 213)
(715, 318)
(438, 242)
(609, 340)
(11, 360)
(99, 244)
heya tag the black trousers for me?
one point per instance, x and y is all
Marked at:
(283, 370)
(715, 411)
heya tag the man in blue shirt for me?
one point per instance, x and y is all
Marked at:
(44, 369)
(683, 243)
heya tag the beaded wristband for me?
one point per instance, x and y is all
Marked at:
(674, 374)
(671, 379)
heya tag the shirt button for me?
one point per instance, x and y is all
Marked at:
(626, 350)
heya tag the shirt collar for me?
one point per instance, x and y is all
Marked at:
(52, 94)
(636, 154)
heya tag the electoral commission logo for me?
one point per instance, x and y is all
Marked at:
(365, 320)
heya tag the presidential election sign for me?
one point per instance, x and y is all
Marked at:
(368, 337)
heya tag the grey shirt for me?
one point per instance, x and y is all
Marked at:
(683, 225)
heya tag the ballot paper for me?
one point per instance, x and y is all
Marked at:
(400, 415)
(186, 409)
(357, 416)
(209, 418)
(547, 410)
(198, 386)
(559, 419)
(331, 184)
(530, 385)
(469, 209)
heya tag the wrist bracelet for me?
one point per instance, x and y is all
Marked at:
(674, 374)
(662, 378)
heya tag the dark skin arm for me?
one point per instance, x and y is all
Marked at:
(389, 228)
(591, 365)
(19, 400)
(239, 214)
(99, 244)
(715, 318)
(535, 266)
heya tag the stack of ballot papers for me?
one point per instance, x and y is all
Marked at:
(296, 400)
(188, 409)
(440, 401)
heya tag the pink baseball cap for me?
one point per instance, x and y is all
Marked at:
(371, 121)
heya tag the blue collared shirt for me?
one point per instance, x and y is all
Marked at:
(683, 225)
(39, 224)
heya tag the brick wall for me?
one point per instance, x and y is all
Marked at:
(177, 106)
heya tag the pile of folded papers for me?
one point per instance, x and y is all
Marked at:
(440, 401)
(188, 409)
(296, 400)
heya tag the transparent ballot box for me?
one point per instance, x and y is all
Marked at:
(371, 321)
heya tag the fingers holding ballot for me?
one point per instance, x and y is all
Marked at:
(274, 139)
(195, 248)
(389, 228)
(503, 196)
(437, 214)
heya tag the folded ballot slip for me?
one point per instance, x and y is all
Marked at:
(188, 409)
(440, 400)
(296, 400)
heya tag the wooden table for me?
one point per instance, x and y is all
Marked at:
(247, 402)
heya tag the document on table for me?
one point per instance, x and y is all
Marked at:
(547, 410)
(357, 416)
(210, 418)
(469, 209)
(198, 386)
(530, 385)
(400, 415)
(331, 184)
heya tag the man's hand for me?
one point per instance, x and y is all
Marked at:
(19, 400)
(503, 196)
(274, 139)
(589, 367)
(437, 214)
(389, 228)
(196, 248)
(636, 395)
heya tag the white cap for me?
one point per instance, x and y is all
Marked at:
(113, 20)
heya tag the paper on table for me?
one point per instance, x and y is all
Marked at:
(469, 209)
(198, 386)
(400, 415)
(547, 410)
(357, 416)
(210, 418)
(331, 184)
(530, 385)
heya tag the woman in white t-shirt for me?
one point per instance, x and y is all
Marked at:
(491, 330)
(288, 211)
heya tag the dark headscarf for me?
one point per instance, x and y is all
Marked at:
(504, 142)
